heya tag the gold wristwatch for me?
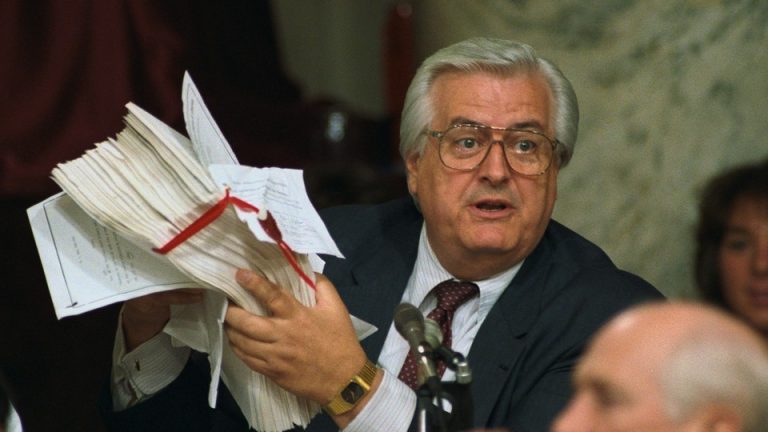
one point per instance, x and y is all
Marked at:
(350, 395)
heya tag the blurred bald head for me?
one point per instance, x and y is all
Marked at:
(671, 367)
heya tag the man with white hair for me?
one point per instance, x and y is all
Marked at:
(671, 367)
(474, 246)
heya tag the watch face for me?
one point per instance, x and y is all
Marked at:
(353, 392)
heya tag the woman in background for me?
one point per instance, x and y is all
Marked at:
(731, 267)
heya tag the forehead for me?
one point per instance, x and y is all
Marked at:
(492, 99)
(749, 207)
(614, 359)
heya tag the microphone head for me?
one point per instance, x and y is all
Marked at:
(432, 333)
(407, 317)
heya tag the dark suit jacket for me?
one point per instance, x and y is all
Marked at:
(521, 358)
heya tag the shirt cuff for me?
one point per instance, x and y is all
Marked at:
(390, 408)
(146, 370)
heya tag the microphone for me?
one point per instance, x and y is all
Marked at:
(432, 333)
(454, 360)
(409, 322)
(462, 414)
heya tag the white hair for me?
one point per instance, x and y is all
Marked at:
(715, 367)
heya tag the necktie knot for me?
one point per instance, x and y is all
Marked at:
(452, 294)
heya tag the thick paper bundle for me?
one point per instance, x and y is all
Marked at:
(147, 185)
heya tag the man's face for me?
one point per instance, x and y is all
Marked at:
(744, 262)
(617, 389)
(480, 222)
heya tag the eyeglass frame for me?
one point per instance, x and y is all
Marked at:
(440, 134)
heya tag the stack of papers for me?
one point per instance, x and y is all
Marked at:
(138, 191)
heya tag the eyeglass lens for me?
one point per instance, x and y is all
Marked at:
(465, 147)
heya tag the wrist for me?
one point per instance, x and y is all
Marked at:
(354, 391)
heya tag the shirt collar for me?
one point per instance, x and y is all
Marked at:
(428, 272)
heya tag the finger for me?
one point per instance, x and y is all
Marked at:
(247, 343)
(254, 348)
(250, 326)
(275, 300)
(254, 363)
(269, 359)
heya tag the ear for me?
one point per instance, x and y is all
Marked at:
(412, 168)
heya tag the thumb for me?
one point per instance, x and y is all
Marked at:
(326, 295)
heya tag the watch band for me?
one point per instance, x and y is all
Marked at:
(350, 394)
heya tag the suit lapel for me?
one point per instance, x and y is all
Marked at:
(498, 344)
(373, 297)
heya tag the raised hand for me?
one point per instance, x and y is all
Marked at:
(144, 317)
(310, 351)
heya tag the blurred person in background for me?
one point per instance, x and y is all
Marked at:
(671, 367)
(731, 261)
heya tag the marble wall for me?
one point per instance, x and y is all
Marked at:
(671, 92)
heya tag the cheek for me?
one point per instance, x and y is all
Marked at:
(538, 201)
(435, 184)
(440, 197)
(734, 277)
(733, 269)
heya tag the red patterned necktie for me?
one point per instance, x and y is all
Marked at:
(450, 295)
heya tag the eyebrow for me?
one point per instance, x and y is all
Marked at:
(529, 124)
(736, 229)
(602, 387)
(586, 379)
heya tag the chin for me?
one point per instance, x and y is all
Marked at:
(491, 246)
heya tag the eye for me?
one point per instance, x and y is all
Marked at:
(607, 399)
(606, 396)
(525, 146)
(735, 243)
(466, 143)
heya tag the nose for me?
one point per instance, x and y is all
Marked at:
(495, 166)
(576, 417)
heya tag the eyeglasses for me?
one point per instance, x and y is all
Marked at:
(464, 147)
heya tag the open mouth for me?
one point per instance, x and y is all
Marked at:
(492, 205)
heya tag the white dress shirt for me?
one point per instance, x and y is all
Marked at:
(155, 364)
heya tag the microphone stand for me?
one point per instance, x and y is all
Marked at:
(430, 396)
(430, 416)
(462, 407)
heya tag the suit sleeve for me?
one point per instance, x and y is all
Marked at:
(181, 406)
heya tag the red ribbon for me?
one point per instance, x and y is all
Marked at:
(268, 224)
